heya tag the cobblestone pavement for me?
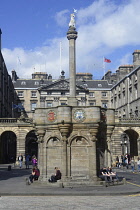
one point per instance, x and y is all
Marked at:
(70, 202)
(13, 183)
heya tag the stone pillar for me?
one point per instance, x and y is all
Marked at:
(72, 36)
(92, 155)
(41, 163)
(138, 142)
(21, 138)
(64, 130)
(108, 156)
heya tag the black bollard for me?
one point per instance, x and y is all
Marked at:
(9, 168)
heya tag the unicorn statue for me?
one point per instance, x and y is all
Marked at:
(72, 20)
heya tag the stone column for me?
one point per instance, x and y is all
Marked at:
(92, 155)
(64, 129)
(21, 137)
(41, 163)
(72, 36)
(108, 156)
(138, 142)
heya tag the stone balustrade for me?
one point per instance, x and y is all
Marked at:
(15, 120)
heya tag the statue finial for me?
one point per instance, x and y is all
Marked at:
(72, 20)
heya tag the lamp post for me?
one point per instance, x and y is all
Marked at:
(124, 143)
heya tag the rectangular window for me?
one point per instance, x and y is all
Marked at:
(63, 103)
(91, 94)
(33, 105)
(92, 104)
(49, 104)
(104, 94)
(104, 104)
(33, 94)
(20, 93)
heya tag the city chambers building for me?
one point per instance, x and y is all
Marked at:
(78, 124)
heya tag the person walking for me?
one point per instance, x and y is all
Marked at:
(132, 162)
(20, 160)
(27, 161)
(138, 164)
(34, 161)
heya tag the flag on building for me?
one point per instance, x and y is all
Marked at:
(15, 106)
(107, 60)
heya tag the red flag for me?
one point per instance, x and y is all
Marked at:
(107, 60)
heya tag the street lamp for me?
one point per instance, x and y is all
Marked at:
(124, 143)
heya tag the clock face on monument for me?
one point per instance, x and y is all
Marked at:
(79, 115)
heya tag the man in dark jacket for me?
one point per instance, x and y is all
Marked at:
(55, 177)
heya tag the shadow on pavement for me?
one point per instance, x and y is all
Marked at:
(14, 172)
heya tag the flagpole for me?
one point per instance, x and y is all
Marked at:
(104, 67)
(60, 58)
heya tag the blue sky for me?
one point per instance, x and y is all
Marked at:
(33, 29)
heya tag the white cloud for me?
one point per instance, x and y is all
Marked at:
(62, 17)
(103, 27)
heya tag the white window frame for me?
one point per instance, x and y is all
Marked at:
(20, 94)
(33, 94)
(33, 105)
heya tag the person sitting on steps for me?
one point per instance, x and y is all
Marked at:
(34, 176)
(57, 175)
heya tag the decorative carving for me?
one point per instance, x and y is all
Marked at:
(103, 116)
(79, 115)
(51, 116)
(40, 134)
(93, 133)
(64, 130)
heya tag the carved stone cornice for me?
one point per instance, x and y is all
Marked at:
(40, 133)
(65, 130)
(93, 132)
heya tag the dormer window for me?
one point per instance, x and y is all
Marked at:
(99, 85)
(36, 83)
(23, 83)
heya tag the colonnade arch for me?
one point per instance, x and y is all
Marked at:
(8, 147)
(125, 140)
(31, 144)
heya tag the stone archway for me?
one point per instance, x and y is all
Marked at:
(133, 137)
(31, 145)
(79, 158)
(8, 147)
